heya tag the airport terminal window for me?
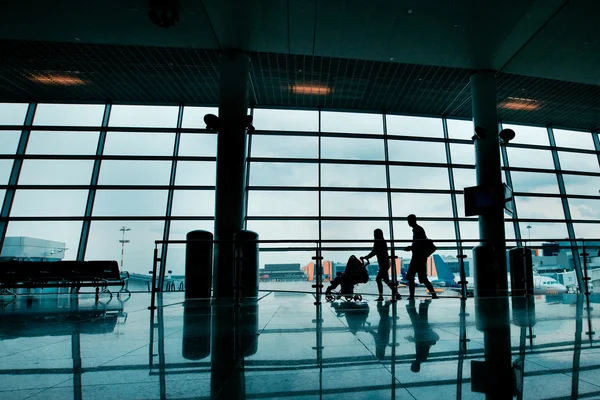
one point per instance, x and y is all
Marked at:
(529, 158)
(543, 230)
(402, 125)
(193, 117)
(176, 251)
(69, 114)
(285, 230)
(530, 182)
(139, 143)
(143, 116)
(127, 202)
(349, 123)
(284, 146)
(56, 172)
(196, 173)
(49, 203)
(283, 203)
(353, 230)
(529, 134)
(352, 149)
(464, 177)
(422, 204)
(9, 140)
(62, 143)
(585, 209)
(419, 177)
(573, 139)
(190, 203)
(284, 174)
(5, 170)
(354, 204)
(413, 151)
(581, 184)
(286, 120)
(13, 113)
(578, 162)
(460, 207)
(539, 207)
(198, 145)
(462, 153)
(66, 232)
(460, 129)
(134, 172)
(587, 231)
(348, 175)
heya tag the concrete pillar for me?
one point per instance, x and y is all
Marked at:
(490, 260)
(231, 166)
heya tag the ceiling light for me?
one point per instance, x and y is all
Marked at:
(310, 89)
(57, 79)
(520, 104)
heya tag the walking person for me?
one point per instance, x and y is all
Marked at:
(418, 262)
(380, 249)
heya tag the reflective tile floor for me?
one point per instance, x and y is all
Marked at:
(285, 347)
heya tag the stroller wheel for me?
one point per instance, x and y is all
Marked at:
(348, 298)
(329, 297)
(357, 297)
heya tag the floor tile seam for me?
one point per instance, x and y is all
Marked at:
(36, 348)
(590, 383)
(269, 321)
(48, 388)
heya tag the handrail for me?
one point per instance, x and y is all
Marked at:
(315, 241)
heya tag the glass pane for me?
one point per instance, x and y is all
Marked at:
(284, 146)
(49, 203)
(103, 243)
(585, 209)
(62, 237)
(419, 177)
(469, 232)
(352, 149)
(529, 134)
(414, 126)
(286, 120)
(578, 184)
(462, 153)
(435, 230)
(464, 178)
(460, 129)
(146, 116)
(138, 172)
(130, 202)
(13, 113)
(193, 117)
(187, 203)
(460, 206)
(176, 252)
(422, 205)
(285, 230)
(76, 143)
(346, 175)
(2, 194)
(573, 139)
(9, 140)
(56, 172)
(351, 122)
(287, 203)
(69, 114)
(588, 231)
(353, 230)
(198, 145)
(135, 143)
(5, 170)
(197, 173)
(283, 174)
(534, 182)
(354, 204)
(539, 207)
(578, 162)
(544, 230)
(412, 151)
(530, 158)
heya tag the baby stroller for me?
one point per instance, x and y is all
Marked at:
(355, 273)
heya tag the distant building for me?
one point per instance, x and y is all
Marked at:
(282, 272)
(23, 248)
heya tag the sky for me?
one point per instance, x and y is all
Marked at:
(273, 140)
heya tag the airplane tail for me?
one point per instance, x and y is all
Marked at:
(443, 271)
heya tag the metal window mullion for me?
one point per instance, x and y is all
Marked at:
(459, 245)
(9, 196)
(567, 212)
(388, 186)
(171, 193)
(85, 226)
(248, 161)
(509, 183)
(596, 138)
(319, 180)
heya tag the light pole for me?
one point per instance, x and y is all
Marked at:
(529, 230)
(123, 241)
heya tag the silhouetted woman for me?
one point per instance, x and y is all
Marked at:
(380, 250)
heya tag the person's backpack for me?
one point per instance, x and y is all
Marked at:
(428, 247)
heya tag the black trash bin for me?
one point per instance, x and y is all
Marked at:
(198, 265)
(246, 248)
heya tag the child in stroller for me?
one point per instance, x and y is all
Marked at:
(355, 272)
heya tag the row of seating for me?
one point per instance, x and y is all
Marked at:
(73, 274)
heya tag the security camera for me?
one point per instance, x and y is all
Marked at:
(212, 122)
(479, 133)
(506, 135)
(248, 123)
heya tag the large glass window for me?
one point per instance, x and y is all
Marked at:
(134, 172)
(422, 204)
(144, 116)
(352, 149)
(573, 139)
(9, 140)
(198, 145)
(137, 143)
(62, 236)
(585, 209)
(56, 172)
(539, 207)
(530, 158)
(462, 153)
(13, 113)
(534, 182)
(419, 177)
(581, 184)
(460, 129)
(59, 143)
(578, 161)
(414, 126)
(189, 203)
(285, 230)
(285, 146)
(69, 114)
(5, 170)
(354, 204)
(347, 175)
(196, 173)
(286, 120)
(284, 174)
(529, 134)
(193, 117)
(412, 151)
(49, 203)
(283, 203)
(353, 230)
(130, 203)
(351, 122)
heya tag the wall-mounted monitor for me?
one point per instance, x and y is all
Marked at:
(484, 198)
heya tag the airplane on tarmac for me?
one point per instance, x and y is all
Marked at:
(541, 284)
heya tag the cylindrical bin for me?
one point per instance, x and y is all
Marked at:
(196, 329)
(198, 264)
(521, 271)
(246, 249)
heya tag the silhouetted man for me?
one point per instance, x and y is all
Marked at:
(424, 337)
(418, 262)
